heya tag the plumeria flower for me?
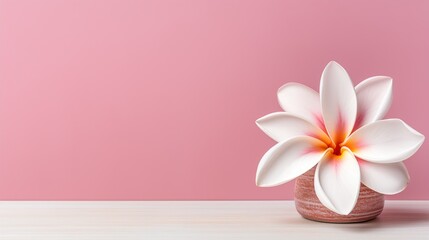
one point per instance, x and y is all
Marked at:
(340, 131)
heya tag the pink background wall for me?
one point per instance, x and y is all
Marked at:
(157, 99)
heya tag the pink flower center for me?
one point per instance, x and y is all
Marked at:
(337, 149)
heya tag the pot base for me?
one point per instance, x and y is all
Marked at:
(369, 204)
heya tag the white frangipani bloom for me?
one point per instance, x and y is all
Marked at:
(340, 131)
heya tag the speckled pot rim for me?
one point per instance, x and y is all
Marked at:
(369, 204)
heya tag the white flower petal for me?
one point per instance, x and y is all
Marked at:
(302, 101)
(338, 101)
(385, 141)
(289, 159)
(337, 181)
(374, 96)
(281, 126)
(385, 178)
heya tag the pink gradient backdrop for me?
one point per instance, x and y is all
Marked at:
(157, 99)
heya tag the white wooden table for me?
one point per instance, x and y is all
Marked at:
(218, 220)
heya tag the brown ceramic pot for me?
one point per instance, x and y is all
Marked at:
(369, 205)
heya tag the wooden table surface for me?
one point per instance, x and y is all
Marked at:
(219, 220)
